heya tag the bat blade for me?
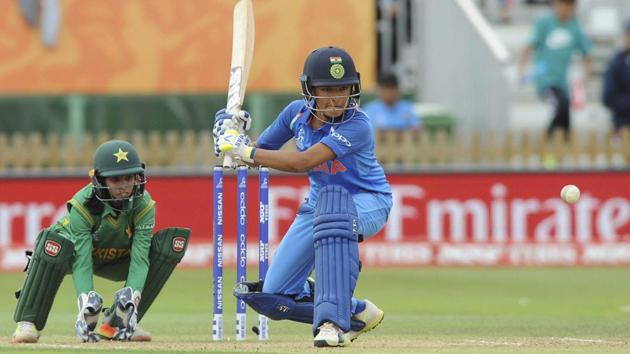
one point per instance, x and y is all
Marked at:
(243, 34)
(242, 54)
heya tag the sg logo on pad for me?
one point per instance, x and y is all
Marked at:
(52, 248)
(178, 244)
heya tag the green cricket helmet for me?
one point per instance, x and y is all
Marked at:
(113, 159)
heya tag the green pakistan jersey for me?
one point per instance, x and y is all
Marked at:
(105, 238)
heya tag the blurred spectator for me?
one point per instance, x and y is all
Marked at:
(617, 84)
(45, 14)
(537, 2)
(503, 7)
(505, 11)
(387, 36)
(394, 29)
(389, 111)
(555, 38)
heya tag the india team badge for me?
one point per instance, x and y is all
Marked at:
(336, 69)
(335, 60)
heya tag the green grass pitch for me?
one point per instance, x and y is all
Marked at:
(427, 310)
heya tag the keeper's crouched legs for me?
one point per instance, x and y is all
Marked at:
(51, 261)
(168, 247)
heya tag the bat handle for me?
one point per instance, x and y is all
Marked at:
(227, 160)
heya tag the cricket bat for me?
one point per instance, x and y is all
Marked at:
(242, 55)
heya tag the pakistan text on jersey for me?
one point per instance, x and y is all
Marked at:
(107, 254)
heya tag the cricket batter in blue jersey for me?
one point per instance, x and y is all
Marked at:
(349, 200)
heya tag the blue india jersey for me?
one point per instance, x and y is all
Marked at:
(355, 166)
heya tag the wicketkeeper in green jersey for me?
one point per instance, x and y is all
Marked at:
(108, 232)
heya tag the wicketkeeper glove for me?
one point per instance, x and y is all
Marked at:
(236, 144)
(90, 306)
(123, 316)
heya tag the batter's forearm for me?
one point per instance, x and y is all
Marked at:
(288, 161)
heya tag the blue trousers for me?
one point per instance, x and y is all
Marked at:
(294, 259)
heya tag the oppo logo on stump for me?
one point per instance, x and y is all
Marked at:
(52, 248)
(178, 244)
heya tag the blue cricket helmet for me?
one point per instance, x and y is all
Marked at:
(330, 67)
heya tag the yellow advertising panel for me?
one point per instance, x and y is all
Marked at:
(157, 46)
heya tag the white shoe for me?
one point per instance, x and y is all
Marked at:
(329, 335)
(372, 316)
(25, 333)
(140, 335)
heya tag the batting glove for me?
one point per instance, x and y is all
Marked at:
(236, 144)
(242, 120)
(218, 132)
(90, 306)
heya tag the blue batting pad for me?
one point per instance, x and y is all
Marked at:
(336, 256)
(278, 307)
(281, 307)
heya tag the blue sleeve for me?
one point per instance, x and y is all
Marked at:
(279, 132)
(349, 137)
